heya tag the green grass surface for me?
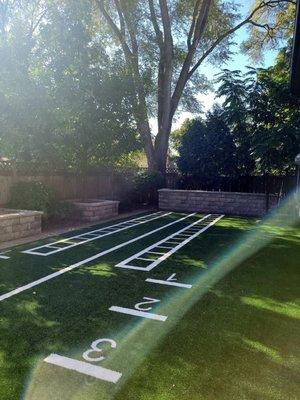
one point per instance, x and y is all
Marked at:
(237, 339)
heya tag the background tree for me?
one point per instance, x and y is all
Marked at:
(207, 150)
(263, 116)
(164, 43)
(234, 88)
(63, 99)
(275, 118)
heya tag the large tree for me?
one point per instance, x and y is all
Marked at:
(165, 42)
(63, 100)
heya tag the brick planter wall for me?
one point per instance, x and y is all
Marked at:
(16, 224)
(97, 210)
(252, 204)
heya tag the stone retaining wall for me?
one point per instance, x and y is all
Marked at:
(16, 224)
(252, 204)
(97, 210)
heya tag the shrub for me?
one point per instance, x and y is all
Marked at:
(146, 186)
(40, 197)
(32, 196)
(62, 210)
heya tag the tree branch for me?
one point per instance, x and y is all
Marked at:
(121, 18)
(192, 27)
(166, 22)
(201, 16)
(130, 27)
(115, 29)
(153, 19)
(247, 20)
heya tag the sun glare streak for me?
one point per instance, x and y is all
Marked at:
(138, 340)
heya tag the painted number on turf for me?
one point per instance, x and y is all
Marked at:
(94, 349)
(149, 300)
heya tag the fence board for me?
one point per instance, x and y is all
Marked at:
(109, 184)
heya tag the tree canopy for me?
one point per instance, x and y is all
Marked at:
(164, 43)
(81, 79)
(256, 130)
(207, 149)
(63, 98)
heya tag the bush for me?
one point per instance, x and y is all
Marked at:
(39, 197)
(62, 210)
(146, 186)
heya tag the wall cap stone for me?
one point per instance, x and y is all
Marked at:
(7, 213)
(179, 191)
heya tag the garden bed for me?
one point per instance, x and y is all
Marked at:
(234, 203)
(16, 224)
(96, 210)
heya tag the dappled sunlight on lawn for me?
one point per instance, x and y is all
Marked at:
(288, 309)
(102, 269)
(188, 262)
(237, 341)
(269, 352)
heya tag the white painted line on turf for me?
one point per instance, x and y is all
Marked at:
(101, 232)
(3, 257)
(143, 314)
(87, 260)
(170, 283)
(124, 263)
(84, 368)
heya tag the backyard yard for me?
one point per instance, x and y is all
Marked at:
(140, 309)
(149, 200)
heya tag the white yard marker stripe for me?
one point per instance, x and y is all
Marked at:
(170, 283)
(84, 368)
(123, 264)
(3, 256)
(136, 313)
(101, 232)
(87, 260)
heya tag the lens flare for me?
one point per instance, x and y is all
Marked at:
(136, 341)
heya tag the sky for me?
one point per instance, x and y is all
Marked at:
(238, 61)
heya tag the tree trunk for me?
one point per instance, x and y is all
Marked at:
(161, 147)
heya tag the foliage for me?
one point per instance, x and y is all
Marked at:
(71, 96)
(258, 125)
(271, 28)
(235, 87)
(164, 44)
(32, 196)
(39, 197)
(207, 149)
(263, 116)
(62, 210)
(146, 185)
(63, 99)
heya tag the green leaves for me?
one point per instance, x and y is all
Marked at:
(63, 98)
(263, 116)
(207, 149)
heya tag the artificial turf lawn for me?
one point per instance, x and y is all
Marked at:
(239, 341)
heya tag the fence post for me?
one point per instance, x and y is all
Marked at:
(267, 191)
(14, 171)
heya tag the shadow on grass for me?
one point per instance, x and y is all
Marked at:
(238, 342)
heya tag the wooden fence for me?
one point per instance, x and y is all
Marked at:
(110, 184)
(73, 186)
